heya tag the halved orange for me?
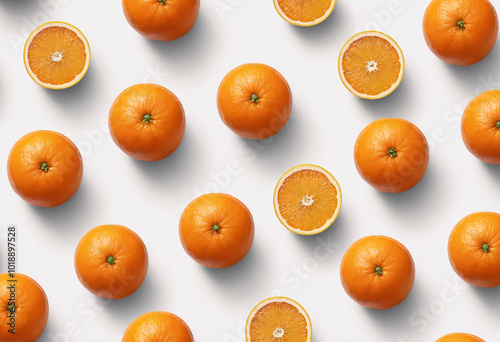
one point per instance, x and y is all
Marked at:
(56, 55)
(307, 199)
(278, 319)
(304, 12)
(371, 65)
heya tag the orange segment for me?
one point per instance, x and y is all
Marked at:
(278, 319)
(307, 199)
(58, 60)
(56, 55)
(304, 12)
(371, 65)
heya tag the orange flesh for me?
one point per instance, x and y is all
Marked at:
(304, 10)
(278, 322)
(57, 55)
(295, 194)
(359, 58)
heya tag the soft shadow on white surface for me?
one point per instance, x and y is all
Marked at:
(479, 77)
(142, 300)
(336, 232)
(185, 50)
(470, 76)
(239, 278)
(395, 319)
(21, 8)
(326, 30)
(80, 94)
(490, 298)
(412, 204)
(175, 167)
(275, 151)
(60, 218)
(2, 96)
(493, 171)
(393, 105)
(48, 330)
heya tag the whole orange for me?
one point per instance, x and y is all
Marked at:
(481, 127)
(45, 168)
(391, 155)
(377, 272)
(147, 122)
(474, 249)
(216, 230)
(24, 308)
(111, 261)
(161, 19)
(254, 101)
(158, 326)
(460, 337)
(460, 32)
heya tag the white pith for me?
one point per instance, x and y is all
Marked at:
(57, 56)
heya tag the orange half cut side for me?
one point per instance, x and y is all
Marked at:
(371, 65)
(278, 319)
(304, 12)
(307, 199)
(56, 55)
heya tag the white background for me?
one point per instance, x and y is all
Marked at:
(326, 119)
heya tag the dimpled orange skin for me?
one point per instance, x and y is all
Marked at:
(455, 45)
(361, 281)
(263, 116)
(386, 172)
(216, 230)
(63, 164)
(31, 308)
(460, 337)
(481, 127)
(161, 20)
(143, 138)
(470, 239)
(158, 326)
(126, 272)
